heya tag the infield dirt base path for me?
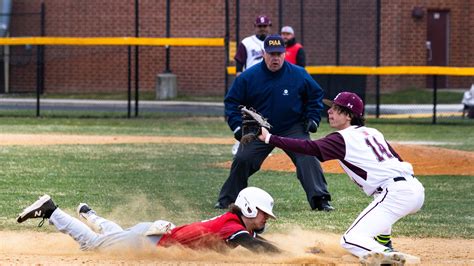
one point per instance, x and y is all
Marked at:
(35, 248)
(425, 160)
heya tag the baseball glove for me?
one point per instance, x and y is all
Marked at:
(251, 124)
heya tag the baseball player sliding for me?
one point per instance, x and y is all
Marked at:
(239, 226)
(374, 166)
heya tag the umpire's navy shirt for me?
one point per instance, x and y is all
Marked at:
(286, 97)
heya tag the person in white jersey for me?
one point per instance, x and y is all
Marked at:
(250, 52)
(374, 166)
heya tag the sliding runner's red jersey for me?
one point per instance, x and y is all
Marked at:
(213, 233)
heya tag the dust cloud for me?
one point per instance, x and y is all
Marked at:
(40, 248)
(52, 248)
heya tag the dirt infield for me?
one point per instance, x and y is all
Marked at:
(425, 160)
(52, 139)
(58, 249)
(34, 248)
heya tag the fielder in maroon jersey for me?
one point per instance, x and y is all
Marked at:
(374, 166)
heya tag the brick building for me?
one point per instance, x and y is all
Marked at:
(405, 26)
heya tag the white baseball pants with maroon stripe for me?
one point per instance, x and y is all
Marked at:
(397, 200)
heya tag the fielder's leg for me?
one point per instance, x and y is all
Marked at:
(385, 237)
(359, 238)
(396, 201)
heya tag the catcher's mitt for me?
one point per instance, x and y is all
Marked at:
(251, 124)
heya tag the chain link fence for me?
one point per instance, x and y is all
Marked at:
(337, 33)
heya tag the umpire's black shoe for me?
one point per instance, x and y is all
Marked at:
(42, 208)
(219, 206)
(323, 205)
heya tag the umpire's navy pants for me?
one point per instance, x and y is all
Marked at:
(250, 157)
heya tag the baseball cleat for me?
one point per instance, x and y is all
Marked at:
(84, 213)
(386, 241)
(390, 246)
(42, 208)
(83, 209)
(376, 258)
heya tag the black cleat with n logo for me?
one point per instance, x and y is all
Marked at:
(42, 208)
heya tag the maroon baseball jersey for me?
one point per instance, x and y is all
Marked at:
(213, 233)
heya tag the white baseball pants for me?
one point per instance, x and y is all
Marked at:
(110, 237)
(397, 200)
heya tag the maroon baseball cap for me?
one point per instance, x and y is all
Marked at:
(262, 20)
(349, 100)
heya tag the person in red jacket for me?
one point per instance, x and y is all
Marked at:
(239, 226)
(294, 50)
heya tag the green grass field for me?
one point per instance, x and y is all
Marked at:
(418, 96)
(180, 182)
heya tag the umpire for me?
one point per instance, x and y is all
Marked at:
(292, 101)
